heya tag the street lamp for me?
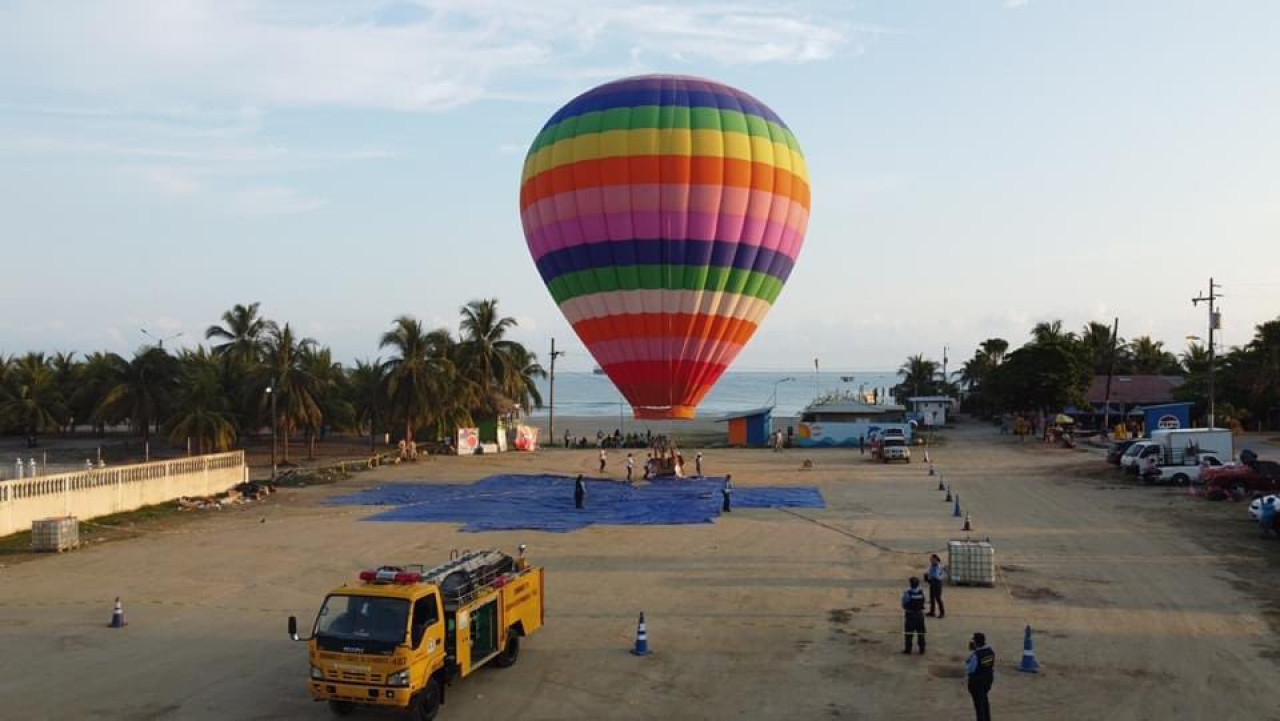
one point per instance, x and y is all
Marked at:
(776, 383)
(271, 392)
(160, 341)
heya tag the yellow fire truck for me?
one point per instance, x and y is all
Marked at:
(403, 634)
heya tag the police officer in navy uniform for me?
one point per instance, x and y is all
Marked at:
(579, 492)
(980, 667)
(913, 621)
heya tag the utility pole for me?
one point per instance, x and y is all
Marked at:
(1215, 323)
(551, 406)
(1111, 371)
(271, 391)
(944, 364)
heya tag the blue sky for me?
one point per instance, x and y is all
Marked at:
(977, 166)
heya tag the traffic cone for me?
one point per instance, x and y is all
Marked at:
(117, 616)
(927, 460)
(955, 510)
(930, 465)
(642, 639)
(1028, 664)
(948, 498)
(967, 527)
(941, 485)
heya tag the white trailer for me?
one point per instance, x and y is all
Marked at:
(1181, 445)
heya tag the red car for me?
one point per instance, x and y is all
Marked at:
(1241, 480)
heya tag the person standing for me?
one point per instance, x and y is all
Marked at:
(579, 492)
(913, 616)
(568, 440)
(727, 492)
(631, 466)
(697, 464)
(934, 577)
(980, 667)
(862, 445)
(603, 460)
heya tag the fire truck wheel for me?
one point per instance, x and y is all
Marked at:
(508, 657)
(341, 708)
(427, 703)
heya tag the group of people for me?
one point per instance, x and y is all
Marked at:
(979, 666)
(663, 459)
(617, 439)
(726, 492)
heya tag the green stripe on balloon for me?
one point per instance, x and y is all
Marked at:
(665, 277)
(668, 116)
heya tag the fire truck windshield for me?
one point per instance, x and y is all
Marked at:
(362, 624)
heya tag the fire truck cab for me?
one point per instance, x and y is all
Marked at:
(404, 633)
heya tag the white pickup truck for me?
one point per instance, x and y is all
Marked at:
(1179, 474)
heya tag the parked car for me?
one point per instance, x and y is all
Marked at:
(1117, 449)
(1239, 480)
(895, 448)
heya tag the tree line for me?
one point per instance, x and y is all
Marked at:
(217, 393)
(1054, 368)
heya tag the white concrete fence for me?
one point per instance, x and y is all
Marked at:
(100, 492)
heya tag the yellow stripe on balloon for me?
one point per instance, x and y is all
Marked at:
(672, 141)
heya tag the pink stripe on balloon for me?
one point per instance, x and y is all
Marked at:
(782, 235)
(650, 198)
(675, 350)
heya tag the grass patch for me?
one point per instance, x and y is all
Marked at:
(17, 546)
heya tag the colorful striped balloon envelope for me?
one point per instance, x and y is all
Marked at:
(664, 213)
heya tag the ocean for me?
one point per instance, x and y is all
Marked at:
(587, 394)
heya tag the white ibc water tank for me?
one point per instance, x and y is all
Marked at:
(971, 563)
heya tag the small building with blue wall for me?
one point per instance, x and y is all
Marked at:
(1167, 416)
(844, 421)
(749, 428)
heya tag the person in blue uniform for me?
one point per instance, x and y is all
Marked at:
(727, 492)
(913, 616)
(980, 668)
(934, 577)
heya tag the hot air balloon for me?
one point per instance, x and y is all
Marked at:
(664, 213)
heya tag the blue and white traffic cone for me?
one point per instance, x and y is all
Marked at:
(117, 616)
(955, 510)
(1028, 664)
(642, 639)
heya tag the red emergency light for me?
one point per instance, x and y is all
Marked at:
(390, 575)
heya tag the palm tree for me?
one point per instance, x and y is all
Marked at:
(201, 408)
(293, 386)
(328, 381)
(143, 394)
(243, 334)
(1099, 344)
(33, 399)
(1048, 332)
(919, 375)
(1149, 356)
(522, 385)
(99, 373)
(483, 346)
(995, 349)
(423, 387)
(367, 393)
(66, 372)
(1195, 359)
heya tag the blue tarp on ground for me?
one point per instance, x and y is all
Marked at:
(545, 503)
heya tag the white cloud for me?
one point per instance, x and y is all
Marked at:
(272, 200)
(1014, 4)
(256, 53)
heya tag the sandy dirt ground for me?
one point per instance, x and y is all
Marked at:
(1147, 604)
